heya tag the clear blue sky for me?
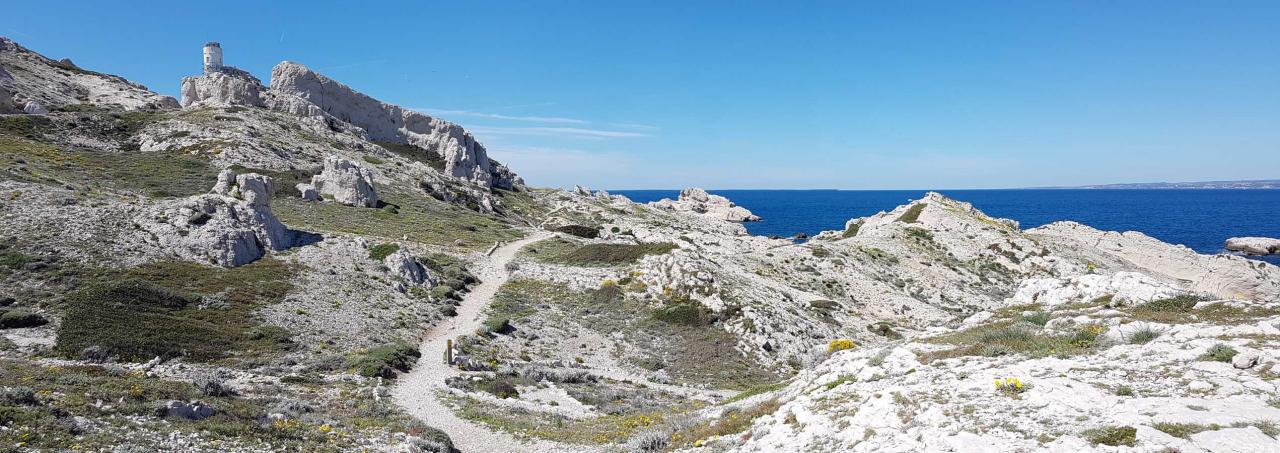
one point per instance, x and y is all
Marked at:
(950, 94)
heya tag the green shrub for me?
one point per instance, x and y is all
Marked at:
(382, 251)
(1182, 303)
(559, 251)
(1220, 353)
(580, 231)
(1038, 318)
(913, 213)
(501, 325)
(683, 313)
(1143, 335)
(918, 233)
(1113, 435)
(851, 230)
(1124, 390)
(372, 159)
(501, 388)
(386, 360)
(17, 318)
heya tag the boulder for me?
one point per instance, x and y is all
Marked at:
(194, 410)
(34, 108)
(404, 265)
(221, 89)
(308, 191)
(1245, 359)
(698, 201)
(347, 182)
(1254, 245)
(231, 226)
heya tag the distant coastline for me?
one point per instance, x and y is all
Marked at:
(1247, 184)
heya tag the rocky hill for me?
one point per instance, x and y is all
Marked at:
(300, 267)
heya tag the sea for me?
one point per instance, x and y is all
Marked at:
(1201, 219)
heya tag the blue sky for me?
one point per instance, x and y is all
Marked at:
(858, 95)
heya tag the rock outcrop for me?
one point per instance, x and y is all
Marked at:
(231, 226)
(301, 91)
(1119, 288)
(402, 264)
(698, 201)
(1254, 245)
(30, 77)
(222, 88)
(346, 182)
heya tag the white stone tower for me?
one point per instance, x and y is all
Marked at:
(212, 57)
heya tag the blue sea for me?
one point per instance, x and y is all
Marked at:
(1199, 219)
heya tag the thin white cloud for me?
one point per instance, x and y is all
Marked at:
(499, 116)
(571, 132)
(643, 127)
(562, 167)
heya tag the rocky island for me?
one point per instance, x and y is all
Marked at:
(300, 267)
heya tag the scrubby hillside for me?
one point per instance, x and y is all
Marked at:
(298, 266)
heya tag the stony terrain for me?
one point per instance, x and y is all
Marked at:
(301, 267)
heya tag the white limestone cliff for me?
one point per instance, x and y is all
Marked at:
(29, 77)
(301, 91)
(222, 89)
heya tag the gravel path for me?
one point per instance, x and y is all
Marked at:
(416, 391)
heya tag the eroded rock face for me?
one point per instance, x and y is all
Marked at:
(1254, 245)
(221, 89)
(677, 273)
(231, 226)
(346, 182)
(698, 201)
(301, 91)
(34, 108)
(31, 77)
(1120, 287)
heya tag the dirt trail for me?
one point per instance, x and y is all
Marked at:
(416, 391)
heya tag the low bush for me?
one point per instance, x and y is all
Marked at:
(1143, 335)
(1220, 353)
(382, 251)
(912, 215)
(839, 345)
(580, 231)
(386, 360)
(688, 313)
(18, 318)
(1114, 436)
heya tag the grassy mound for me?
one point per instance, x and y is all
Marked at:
(561, 251)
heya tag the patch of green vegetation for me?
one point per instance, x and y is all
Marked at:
(1182, 309)
(19, 318)
(1008, 337)
(1113, 436)
(851, 230)
(28, 126)
(562, 251)
(415, 153)
(1220, 353)
(755, 390)
(1143, 335)
(286, 181)
(918, 233)
(842, 379)
(386, 361)
(685, 312)
(155, 174)
(156, 310)
(420, 218)
(382, 251)
(1038, 318)
(912, 215)
(694, 354)
(372, 159)
(731, 422)
(605, 429)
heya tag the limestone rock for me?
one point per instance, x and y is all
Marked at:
(677, 273)
(231, 226)
(346, 182)
(698, 201)
(30, 77)
(404, 265)
(1131, 287)
(308, 191)
(1245, 359)
(301, 91)
(34, 108)
(1254, 245)
(221, 89)
(194, 410)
